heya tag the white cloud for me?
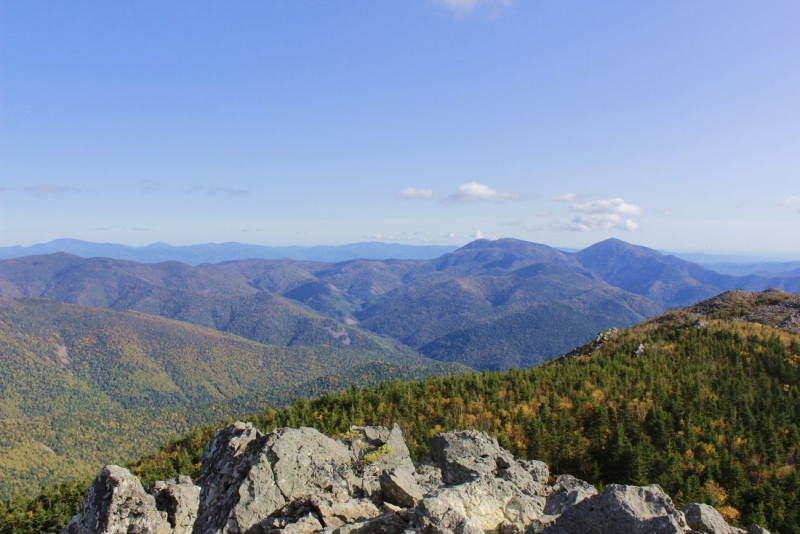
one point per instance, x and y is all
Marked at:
(605, 214)
(566, 197)
(477, 235)
(410, 193)
(473, 192)
(453, 235)
(381, 236)
(791, 200)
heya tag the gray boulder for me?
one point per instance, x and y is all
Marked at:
(485, 483)
(316, 513)
(567, 492)
(389, 523)
(377, 448)
(433, 516)
(538, 470)
(399, 487)
(116, 503)
(492, 502)
(247, 476)
(540, 524)
(428, 477)
(468, 454)
(179, 498)
(755, 529)
(306, 462)
(238, 486)
(705, 518)
(629, 509)
(335, 513)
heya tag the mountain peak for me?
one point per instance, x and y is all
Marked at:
(503, 243)
(616, 243)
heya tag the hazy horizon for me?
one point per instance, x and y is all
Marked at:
(732, 256)
(429, 121)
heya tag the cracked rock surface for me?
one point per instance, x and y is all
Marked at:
(299, 481)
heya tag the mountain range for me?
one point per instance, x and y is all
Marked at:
(489, 305)
(217, 252)
(739, 265)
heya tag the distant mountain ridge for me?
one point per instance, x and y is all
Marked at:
(490, 304)
(218, 252)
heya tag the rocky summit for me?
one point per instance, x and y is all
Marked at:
(300, 481)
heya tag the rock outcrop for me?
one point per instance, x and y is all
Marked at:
(179, 498)
(117, 503)
(631, 509)
(300, 481)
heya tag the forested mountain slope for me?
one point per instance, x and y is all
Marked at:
(490, 304)
(668, 279)
(518, 318)
(206, 297)
(82, 386)
(703, 401)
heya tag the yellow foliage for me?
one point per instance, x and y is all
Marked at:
(729, 513)
(718, 494)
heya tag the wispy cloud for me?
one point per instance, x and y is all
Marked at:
(228, 192)
(140, 229)
(453, 235)
(51, 189)
(148, 186)
(193, 189)
(216, 191)
(475, 192)
(465, 7)
(477, 235)
(791, 200)
(383, 237)
(567, 197)
(411, 193)
(4, 189)
(103, 229)
(553, 225)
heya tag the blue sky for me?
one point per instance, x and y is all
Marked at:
(674, 125)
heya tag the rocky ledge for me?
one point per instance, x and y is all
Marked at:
(301, 481)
